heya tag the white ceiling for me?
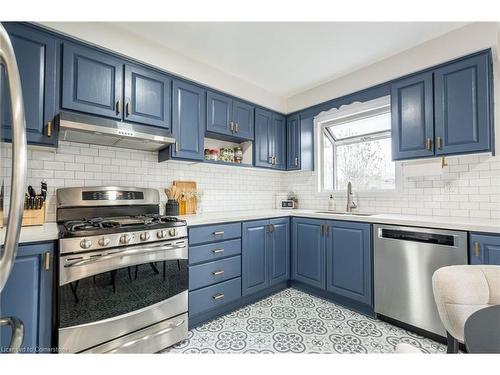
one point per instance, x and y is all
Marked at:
(288, 58)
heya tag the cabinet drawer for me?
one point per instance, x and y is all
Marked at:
(214, 251)
(214, 272)
(211, 233)
(214, 296)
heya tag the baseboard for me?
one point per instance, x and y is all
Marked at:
(197, 320)
(335, 298)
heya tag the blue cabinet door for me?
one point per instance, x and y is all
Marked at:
(278, 141)
(279, 251)
(243, 118)
(412, 117)
(349, 259)
(36, 59)
(219, 108)
(293, 143)
(263, 135)
(188, 120)
(462, 106)
(484, 249)
(255, 260)
(28, 296)
(147, 97)
(308, 252)
(92, 82)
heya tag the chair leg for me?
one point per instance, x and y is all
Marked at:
(452, 344)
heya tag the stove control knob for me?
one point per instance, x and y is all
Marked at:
(173, 232)
(145, 236)
(161, 233)
(125, 239)
(85, 244)
(104, 241)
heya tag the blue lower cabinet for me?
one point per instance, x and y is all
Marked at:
(484, 249)
(214, 272)
(206, 299)
(28, 296)
(255, 259)
(349, 259)
(308, 252)
(279, 251)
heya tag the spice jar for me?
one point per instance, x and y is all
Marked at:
(238, 155)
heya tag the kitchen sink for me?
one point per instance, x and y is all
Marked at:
(344, 213)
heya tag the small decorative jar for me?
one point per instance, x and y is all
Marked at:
(214, 154)
(238, 155)
(207, 154)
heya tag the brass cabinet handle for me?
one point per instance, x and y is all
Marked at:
(118, 106)
(217, 273)
(49, 129)
(321, 229)
(476, 248)
(217, 251)
(428, 144)
(127, 108)
(176, 147)
(237, 127)
(296, 161)
(218, 296)
(438, 143)
(47, 261)
(219, 233)
(231, 126)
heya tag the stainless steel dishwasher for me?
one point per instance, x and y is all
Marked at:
(405, 259)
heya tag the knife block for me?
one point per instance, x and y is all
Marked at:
(34, 217)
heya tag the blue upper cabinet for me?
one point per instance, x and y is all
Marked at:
(28, 296)
(147, 97)
(462, 106)
(308, 252)
(229, 118)
(279, 250)
(412, 117)
(36, 59)
(255, 259)
(188, 120)
(263, 135)
(293, 143)
(219, 110)
(243, 118)
(278, 141)
(349, 259)
(92, 81)
(484, 249)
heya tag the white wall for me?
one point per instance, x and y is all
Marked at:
(106, 35)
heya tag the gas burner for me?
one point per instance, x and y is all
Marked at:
(94, 223)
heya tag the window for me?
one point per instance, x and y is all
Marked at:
(356, 147)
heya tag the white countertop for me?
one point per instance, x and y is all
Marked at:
(465, 224)
(35, 233)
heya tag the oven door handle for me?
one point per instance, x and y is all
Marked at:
(148, 337)
(120, 254)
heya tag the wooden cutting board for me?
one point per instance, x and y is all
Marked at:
(187, 187)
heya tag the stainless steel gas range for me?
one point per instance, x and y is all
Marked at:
(122, 272)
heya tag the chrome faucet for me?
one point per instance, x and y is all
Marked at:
(350, 202)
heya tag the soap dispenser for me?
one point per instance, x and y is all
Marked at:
(331, 203)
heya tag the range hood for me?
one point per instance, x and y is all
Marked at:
(80, 128)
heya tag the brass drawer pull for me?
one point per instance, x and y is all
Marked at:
(218, 273)
(428, 144)
(218, 296)
(47, 261)
(49, 129)
(217, 251)
(219, 233)
(476, 248)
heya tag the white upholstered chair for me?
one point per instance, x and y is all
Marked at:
(459, 291)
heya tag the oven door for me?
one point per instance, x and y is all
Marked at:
(104, 295)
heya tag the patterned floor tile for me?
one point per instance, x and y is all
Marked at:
(292, 321)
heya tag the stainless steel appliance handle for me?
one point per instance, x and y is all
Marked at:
(19, 158)
(148, 337)
(17, 328)
(122, 253)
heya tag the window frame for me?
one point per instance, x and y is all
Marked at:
(341, 115)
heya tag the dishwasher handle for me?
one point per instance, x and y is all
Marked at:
(417, 236)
